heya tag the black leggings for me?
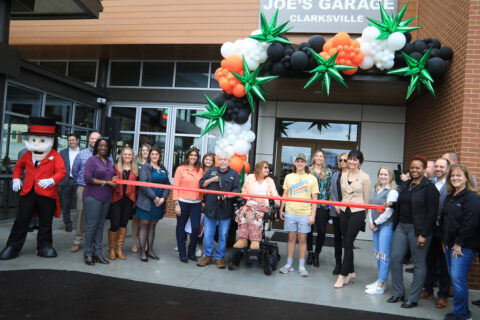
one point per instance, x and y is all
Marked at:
(337, 240)
(321, 220)
(120, 212)
(351, 223)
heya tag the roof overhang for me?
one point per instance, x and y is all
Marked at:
(55, 9)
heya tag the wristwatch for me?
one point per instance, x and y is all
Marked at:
(103, 183)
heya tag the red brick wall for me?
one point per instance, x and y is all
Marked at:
(451, 121)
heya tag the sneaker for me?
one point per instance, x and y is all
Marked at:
(375, 290)
(199, 253)
(303, 272)
(286, 269)
(175, 249)
(371, 285)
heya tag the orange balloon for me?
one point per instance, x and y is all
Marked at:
(358, 58)
(332, 51)
(236, 163)
(247, 167)
(328, 45)
(350, 72)
(355, 44)
(239, 90)
(233, 63)
(341, 38)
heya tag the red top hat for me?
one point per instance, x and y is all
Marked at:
(42, 126)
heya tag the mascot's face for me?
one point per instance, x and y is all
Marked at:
(40, 146)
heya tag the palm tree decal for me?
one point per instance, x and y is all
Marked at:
(320, 125)
(284, 127)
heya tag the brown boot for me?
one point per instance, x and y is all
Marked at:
(204, 262)
(122, 232)
(241, 243)
(255, 245)
(112, 240)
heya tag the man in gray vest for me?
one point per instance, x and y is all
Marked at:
(436, 263)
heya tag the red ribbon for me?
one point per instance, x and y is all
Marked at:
(379, 208)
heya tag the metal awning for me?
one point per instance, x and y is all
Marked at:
(55, 9)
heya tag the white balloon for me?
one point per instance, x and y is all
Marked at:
(250, 136)
(254, 32)
(380, 65)
(228, 125)
(241, 147)
(216, 132)
(227, 49)
(247, 125)
(396, 41)
(367, 63)
(389, 64)
(366, 48)
(229, 150)
(231, 138)
(379, 56)
(236, 129)
(218, 150)
(370, 33)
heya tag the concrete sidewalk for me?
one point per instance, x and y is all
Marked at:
(249, 281)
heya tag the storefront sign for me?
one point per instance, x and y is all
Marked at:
(326, 16)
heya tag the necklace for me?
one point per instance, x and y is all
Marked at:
(413, 185)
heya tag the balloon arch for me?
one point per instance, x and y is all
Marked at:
(267, 54)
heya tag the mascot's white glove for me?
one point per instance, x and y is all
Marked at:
(44, 183)
(16, 185)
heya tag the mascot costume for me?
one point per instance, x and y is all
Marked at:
(44, 169)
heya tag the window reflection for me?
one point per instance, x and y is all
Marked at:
(332, 157)
(23, 101)
(155, 141)
(12, 141)
(182, 144)
(319, 130)
(126, 140)
(59, 109)
(192, 74)
(157, 74)
(84, 116)
(187, 123)
(154, 120)
(126, 116)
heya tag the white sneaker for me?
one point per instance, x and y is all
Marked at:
(199, 253)
(286, 269)
(371, 285)
(375, 290)
(175, 249)
(303, 272)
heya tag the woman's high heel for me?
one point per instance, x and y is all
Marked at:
(341, 281)
(350, 278)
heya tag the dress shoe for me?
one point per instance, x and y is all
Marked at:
(441, 303)
(476, 303)
(184, 260)
(316, 260)
(220, 264)
(338, 269)
(46, 252)
(8, 253)
(204, 262)
(89, 260)
(193, 258)
(395, 299)
(75, 248)
(408, 304)
(100, 259)
(426, 295)
(309, 258)
(152, 255)
(68, 228)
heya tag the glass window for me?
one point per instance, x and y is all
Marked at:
(84, 116)
(125, 74)
(319, 130)
(62, 138)
(213, 81)
(127, 117)
(83, 70)
(59, 109)
(192, 74)
(180, 147)
(83, 136)
(157, 74)
(333, 155)
(23, 100)
(154, 120)
(185, 122)
(12, 141)
(58, 66)
(155, 141)
(126, 140)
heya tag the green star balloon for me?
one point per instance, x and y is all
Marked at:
(214, 116)
(252, 83)
(270, 32)
(418, 73)
(326, 70)
(391, 24)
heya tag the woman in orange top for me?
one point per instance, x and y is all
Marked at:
(188, 204)
(250, 216)
(123, 202)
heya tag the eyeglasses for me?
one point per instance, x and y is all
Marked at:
(266, 167)
(343, 160)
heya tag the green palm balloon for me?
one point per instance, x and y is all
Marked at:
(214, 116)
(270, 32)
(326, 70)
(391, 24)
(418, 73)
(252, 83)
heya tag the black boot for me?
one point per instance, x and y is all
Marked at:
(100, 259)
(316, 262)
(338, 268)
(8, 253)
(310, 258)
(89, 260)
(46, 252)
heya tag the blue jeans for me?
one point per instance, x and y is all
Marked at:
(192, 211)
(209, 233)
(382, 244)
(458, 269)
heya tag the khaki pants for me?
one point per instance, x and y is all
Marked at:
(80, 228)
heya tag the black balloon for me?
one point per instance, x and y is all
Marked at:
(220, 98)
(278, 69)
(436, 67)
(419, 45)
(408, 48)
(289, 51)
(416, 55)
(408, 37)
(299, 61)
(312, 63)
(435, 53)
(242, 116)
(303, 45)
(275, 51)
(446, 53)
(427, 40)
(436, 44)
(316, 42)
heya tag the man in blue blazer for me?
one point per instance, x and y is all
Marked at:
(68, 186)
